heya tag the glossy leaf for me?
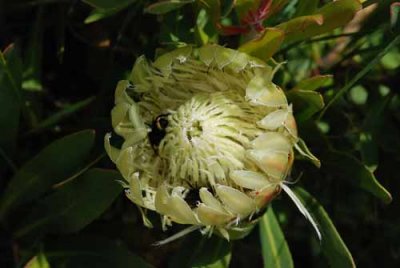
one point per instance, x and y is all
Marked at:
(53, 164)
(91, 251)
(331, 16)
(349, 168)
(10, 97)
(201, 251)
(266, 45)
(39, 261)
(332, 245)
(305, 103)
(109, 5)
(313, 83)
(275, 250)
(166, 6)
(73, 205)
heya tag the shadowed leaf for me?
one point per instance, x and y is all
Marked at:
(53, 164)
(73, 205)
(91, 251)
(332, 245)
(349, 168)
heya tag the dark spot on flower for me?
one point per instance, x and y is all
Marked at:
(158, 130)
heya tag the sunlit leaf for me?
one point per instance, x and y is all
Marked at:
(332, 244)
(91, 251)
(264, 46)
(275, 250)
(39, 261)
(165, 6)
(331, 16)
(347, 167)
(53, 164)
(314, 83)
(73, 205)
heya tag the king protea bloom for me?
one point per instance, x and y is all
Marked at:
(208, 139)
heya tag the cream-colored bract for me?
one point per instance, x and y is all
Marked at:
(226, 149)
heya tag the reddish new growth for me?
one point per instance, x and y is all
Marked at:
(252, 20)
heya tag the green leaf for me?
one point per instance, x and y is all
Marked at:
(332, 245)
(53, 164)
(90, 251)
(65, 112)
(306, 7)
(109, 5)
(372, 127)
(166, 6)
(33, 59)
(275, 250)
(99, 14)
(305, 103)
(201, 251)
(349, 168)
(391, 44)
(39, 261)
(329, 17)
(74, 205)
(302, 148)
(266, 45)
(314, 83)
(10, 98)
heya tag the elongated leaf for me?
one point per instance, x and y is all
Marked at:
(313, 83)
(266, 45)
(69, 110)
(372, 126)
(33, 59)
(165, 6)
(201, 251)
(109, 5)
(332, 244)
(74, 205)
(53, 164)
(91, 251)
(331, 16)
(10, 97)
(376, 59)
(275, 250)
(349, 168)
(99, 14)
(306, 103)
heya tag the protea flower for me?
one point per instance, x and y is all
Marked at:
(208, 136)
